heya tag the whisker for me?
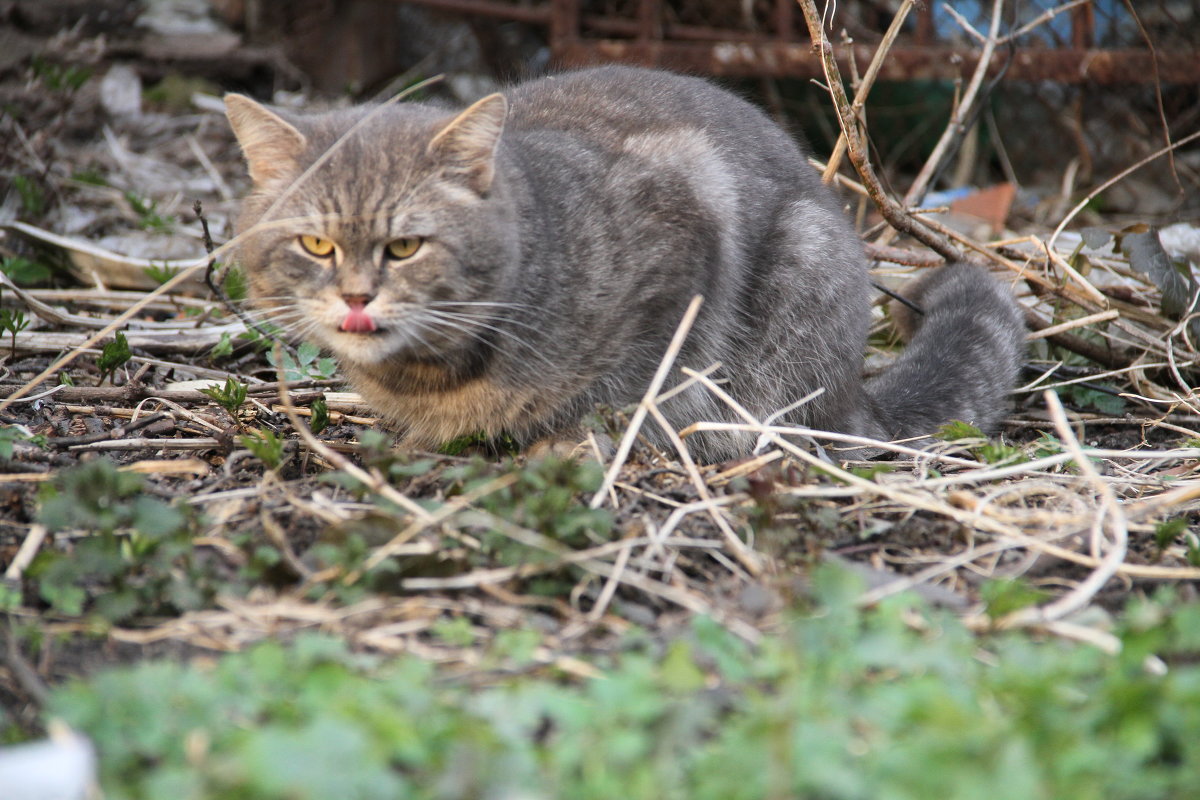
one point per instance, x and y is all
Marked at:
(445, 319)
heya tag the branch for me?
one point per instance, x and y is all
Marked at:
(896, 216)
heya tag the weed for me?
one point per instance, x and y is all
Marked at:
(11, 434)
(24, 272)
(262, 335)
(13, 321)
(840, 702)
(113, 356)
(1167, 531)
(235, 285)
(33, 197)
(137, 557)
(90, 177)
(319, 420)
(223, 348)
(502, 445)
(230, 397)
(1004, 595)
(989, 451)
(268, 447)
(308, 365)
(60, 77)
(1099, 397)
(149, 217)
(545, 497)
(160, 274)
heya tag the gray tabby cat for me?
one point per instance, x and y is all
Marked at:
(509, 267)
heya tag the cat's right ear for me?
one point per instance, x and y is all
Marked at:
(271, 145)
(467, 146)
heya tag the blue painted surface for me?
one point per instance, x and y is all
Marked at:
(1113, 24)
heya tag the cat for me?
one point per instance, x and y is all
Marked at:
(509, 267)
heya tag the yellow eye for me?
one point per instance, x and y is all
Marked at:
(405, 247)
(321, 248)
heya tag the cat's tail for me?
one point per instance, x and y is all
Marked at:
(963, 355)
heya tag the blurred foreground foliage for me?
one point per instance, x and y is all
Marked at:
(842, 703)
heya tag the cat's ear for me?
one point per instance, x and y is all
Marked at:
(271, 145)
(467, 146)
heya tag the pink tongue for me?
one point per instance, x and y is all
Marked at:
(358, 321)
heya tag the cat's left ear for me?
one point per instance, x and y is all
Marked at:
(467, 146)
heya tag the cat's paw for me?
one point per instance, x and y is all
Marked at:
(597, 447)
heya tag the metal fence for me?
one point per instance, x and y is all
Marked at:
(1081, 41)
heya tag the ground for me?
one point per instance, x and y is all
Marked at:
(141, 517)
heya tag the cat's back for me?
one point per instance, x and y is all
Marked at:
(609, 104)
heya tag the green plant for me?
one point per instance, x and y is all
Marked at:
(149, 217)
(160, 274)
(113, 356)
(1168, 531)
(545, 497)
(989, 451)
(33, 198)
(13, 321)
(230, 397)
(1100, 397)
(223, 347)
(268, 447)
(1003, 596)
(24, 272)
(502, 445)
(263, 336)
(11, 434)
(236, 287)
(89, 176)
(136, 558)
(59, 77)
(841, 703)
(307, 365)
(319, 420)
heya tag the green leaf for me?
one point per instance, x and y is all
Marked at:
(319, 420)
(1167, 531)
(267, 446)
(1006, 595)
(230, 397)
(236, 285)
(223, 348)
(1087, 397)
(957, 429)
(24, 272)
(679, 670)
(160, 273)
(113, 356)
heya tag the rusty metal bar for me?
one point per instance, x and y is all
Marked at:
(783, 20)
(649, 21)
(533, 15)
(564, 22)
(924, 24)
(1083, 26)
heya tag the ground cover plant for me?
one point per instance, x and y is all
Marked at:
(218, 568)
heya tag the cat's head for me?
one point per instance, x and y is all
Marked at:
(379, 231)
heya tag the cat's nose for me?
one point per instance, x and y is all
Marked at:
(357, 301)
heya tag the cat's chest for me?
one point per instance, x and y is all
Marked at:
(432, 416)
